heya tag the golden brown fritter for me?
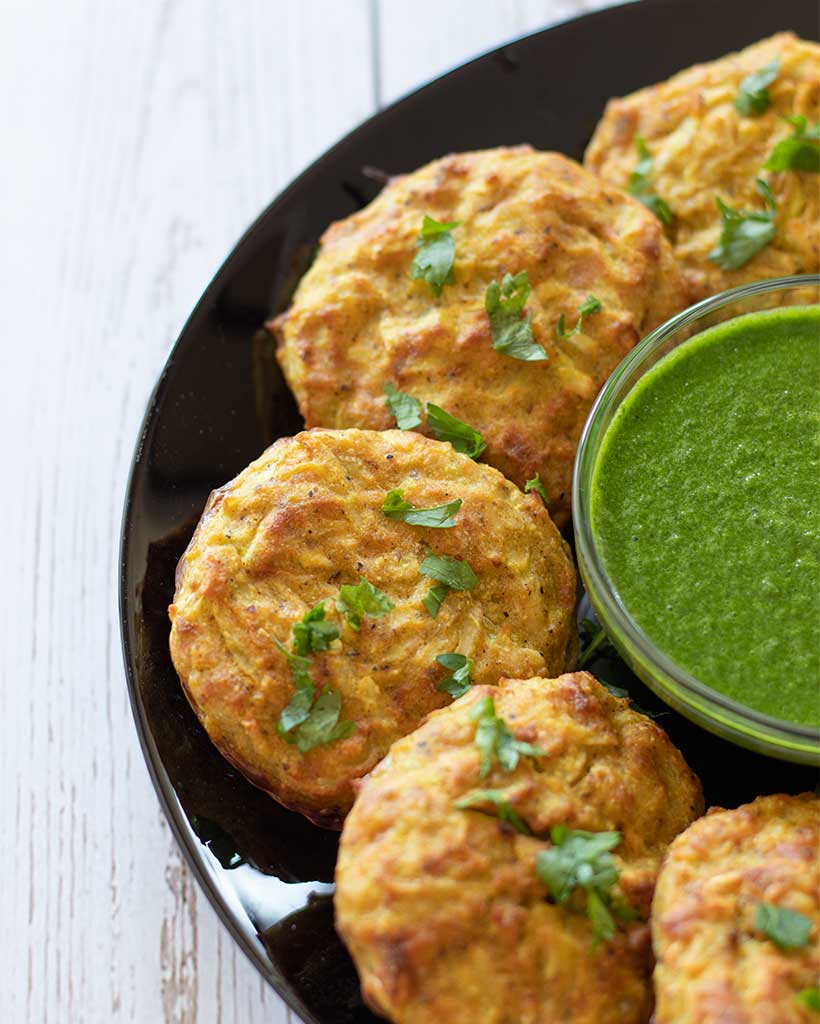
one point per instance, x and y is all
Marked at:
(358, 320)
(714, 965)
(442, 909)
(306, 518)
(701, 147)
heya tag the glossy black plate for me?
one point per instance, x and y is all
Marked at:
(220, 401)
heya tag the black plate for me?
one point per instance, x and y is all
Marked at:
(220, 401)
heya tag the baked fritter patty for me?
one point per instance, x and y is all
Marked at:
(358, 320)
(306, 518)
(701, 147)
(714, 964)
(442, 908)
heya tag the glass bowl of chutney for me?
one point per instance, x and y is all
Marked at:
(696, 509)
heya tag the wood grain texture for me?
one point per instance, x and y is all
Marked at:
(139, 141)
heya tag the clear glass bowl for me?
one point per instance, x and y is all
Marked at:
(683, 692)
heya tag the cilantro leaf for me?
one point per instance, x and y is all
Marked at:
(504, 810)
(603, 923)
(788, 929)
(433, 262)
(744, 232)
(437, 516)
(616, 691)
(460, 679)
(595, 637)
(300, 703)
(589, 306)
(322, 725)
(534, 484)
(620, 692)
(460, 435)
(434, 598)
(753, 95)
(453, 572)
(360, 599)
(450, 574)
(810, 998)
(495, 741)
(512, 333)
(313, 633)
(580, 862)
(640, 187)
(303, 722)
(405, 408)
(800, 151)
(444, 427)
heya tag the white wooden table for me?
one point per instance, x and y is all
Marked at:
(138, 140)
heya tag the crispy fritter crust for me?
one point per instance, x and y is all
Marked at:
(702, 147)
(442, 909)
(358, 320)
(304, 519)
(713, 966)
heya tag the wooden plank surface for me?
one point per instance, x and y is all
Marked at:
(140, 139)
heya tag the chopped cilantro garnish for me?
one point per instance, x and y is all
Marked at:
(432, 601)
(313, 633)
(589, 306)
(495, 741)
(744, 232)
(438, 516)
(303, 722)
(595, 638)
(616, 691)
(360, 599)
(460, 435)
(449, 574)
(433, 262)
(459, 681)
(622, 694)
(512, 333)
(456, 574)
(322, 725)
(405, 408)
(810, 998)
(800, 151)
(534, 484)
(300, 703)
(444, 427)
(640, 187)
(578, 867)
(753, 95)
(497, 798)
(787, 929)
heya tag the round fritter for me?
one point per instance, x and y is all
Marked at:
(701, 147)
(305, 519)
(442, 908)
(359, 321)
(714, 964)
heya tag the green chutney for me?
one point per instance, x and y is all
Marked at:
(705, 506)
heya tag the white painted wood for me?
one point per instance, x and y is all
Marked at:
(425, 38)
(138, 140)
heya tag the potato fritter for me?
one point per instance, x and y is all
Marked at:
(305, 519)
(714, 964)
(442, 908)
(358, 320)
(702, 147)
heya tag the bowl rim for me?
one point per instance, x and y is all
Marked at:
(694, 694)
